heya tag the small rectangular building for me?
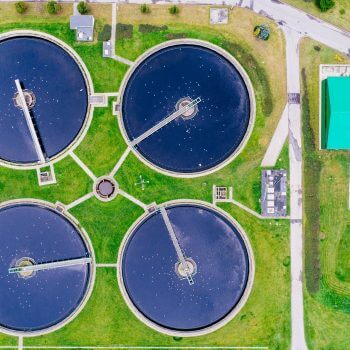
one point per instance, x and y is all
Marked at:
(335, 107)
(274, 193)
(84, 27)
(107, 49)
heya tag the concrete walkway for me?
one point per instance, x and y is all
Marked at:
(113, 37)
(83, 166)
(30, 123)
(120, 162)
(114, 26)
(20, 342)
(133, 199)
(79, 201)
(122, 60)
(277, 142)
(75, 9)
(295, 162)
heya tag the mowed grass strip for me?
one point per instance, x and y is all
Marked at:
(326, 216)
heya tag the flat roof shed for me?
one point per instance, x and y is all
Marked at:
(84, 26)
(335, 115)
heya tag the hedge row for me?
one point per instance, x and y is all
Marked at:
(149, 28)
(312, 174)
(124, 31)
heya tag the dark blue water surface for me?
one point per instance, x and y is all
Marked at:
(50, 296)
(61, 97)
(187, 71)
(149, 268)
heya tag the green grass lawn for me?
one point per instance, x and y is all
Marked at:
(327, 219)
(335, 15)
(106, 320)
(95, 151)
(72, 183)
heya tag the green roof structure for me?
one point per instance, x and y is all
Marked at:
(335, 113)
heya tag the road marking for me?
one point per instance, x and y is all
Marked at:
(107, 265)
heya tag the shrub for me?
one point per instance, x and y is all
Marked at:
(174, 10)
(342, 11)
(317, 48)
(53, 7)
(325, 5)
(286, 261)
(257, 31)
(339, 58)
(172, 36)
(83, 7)
(145, 9)
(262, 31)
(21, 7)
(312, 176)
(124, 31)
(105, 33)
(148, 28)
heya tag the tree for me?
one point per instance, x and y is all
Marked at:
(105, 33)
(21, 7)
(53, 7)
(145, 9)
(325, 5)
(174, 10)
(262, 31)
(83, 8)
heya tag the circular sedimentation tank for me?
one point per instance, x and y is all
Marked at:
(46, 271)
(208, 134)
(194, 294)
(56, 93)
